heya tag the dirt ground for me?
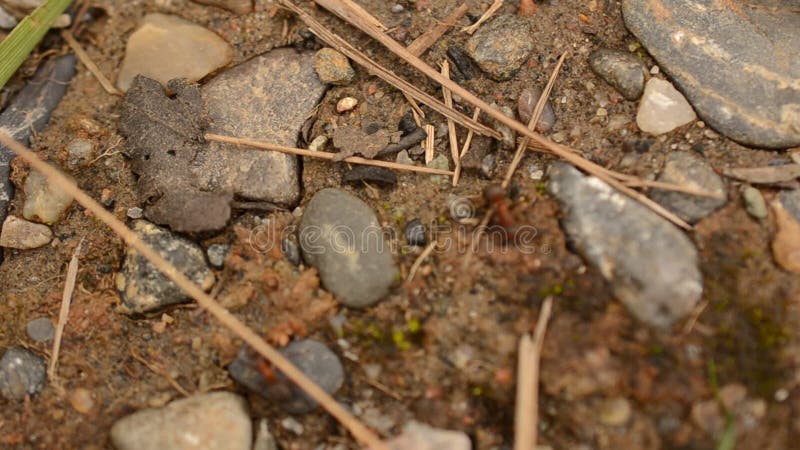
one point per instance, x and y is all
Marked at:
(441, 349)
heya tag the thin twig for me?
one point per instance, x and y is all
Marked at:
(322, 155)
(526, 416)
(451, 126)
(359, 430)
(486, 16)
(420, 259)
(470, 134)
(429, 143)
(537, 113)
(563, 152)
(158, 370)
(66, 301)
(383, 73)
(87, 61)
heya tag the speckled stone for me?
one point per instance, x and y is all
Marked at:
(333, 67)
(142, 287)
(623, 71)
(23, 235)
(689, 170)
(501, 46)
(22, 373)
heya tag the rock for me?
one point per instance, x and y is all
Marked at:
(415, 233)
(166, 47)
(346, 104)
(217, 254)
(29, 112)
(791, 202)
(82, 401)
(7, 21)
(527, 104)
(688, 170)
(754, 202)
(239, 7)
(662, 108)
(216, 420)
(342, 238)
(23, 235)
(370, 174)
(318, 143)
(737, 66)
(333, 67)
(440, 162)
(267, 98)
(290, 250)
(462, 64)
(291, 424)
(501, 46)
(397, 8)
(264, 439)
(615, 412)
(134, 213)
(352, 140)
(40, 330)
(22, 373)
(418, 436)
(488, 165)
(80, 150)
(44, 202)
(142, 287)
(403, 158)
(651, 265)
(508, 136)
(786, 245)
(164, 141)
(623, 71)
(313, 358)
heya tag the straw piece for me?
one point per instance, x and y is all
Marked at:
(486, 16)
(451, 126)
(428, 38)
(429, 143)
(87, 61)
(66, 301)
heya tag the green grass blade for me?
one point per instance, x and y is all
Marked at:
(26, 35)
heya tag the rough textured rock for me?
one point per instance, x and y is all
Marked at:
(662, 108)
(237, 6)
(333, 67)
(213, 421)
(501, 46)
(44, 202)
(419, 436)
(738, 66)
(165, 47)
(22, 373)
(689, 170)
(526, 105)
(164, 140)
(342, 238)
(267, 98)
(623, 71)
(21, 234)
(352, 140)
(651, 265)
(313, 358)
(142, 287)
(29, 112)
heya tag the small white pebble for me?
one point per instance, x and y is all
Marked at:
(397, 9)
(654, 70)
(318, 143)
(781, 395)
(292, 425)
(346, 104)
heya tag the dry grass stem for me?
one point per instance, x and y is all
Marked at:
(158, 370)
(322, 155)
(486, 16)
(470, 134)
(66, 301)
(361, 433)
(429, 143)
(537, 113)
(451, 126)
(526, 415)
(561, 151)
(420, 259)
(421, 44)
(87, 61)
(381, 72)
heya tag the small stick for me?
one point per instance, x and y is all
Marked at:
(429, 143)
(451, 126)
(420, 259)
(486, 16)
(322, 155)
(158, 370)
(470, 133)
(363, 434)
(66, 301)
(537, 113)
(87, 61)
(527, 409)
(381, 72)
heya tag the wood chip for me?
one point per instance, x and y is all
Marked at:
(429, 143)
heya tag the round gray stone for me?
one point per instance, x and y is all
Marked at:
(501, 46)
(40, 330)
(623, 71)
(689, 170)
(341, 237)
(22, 373)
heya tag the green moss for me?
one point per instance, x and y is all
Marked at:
(541, 188)
(414, 326)
(400, 341)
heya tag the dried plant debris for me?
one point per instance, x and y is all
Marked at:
(353, 140)
(765, 175)
(165, 142)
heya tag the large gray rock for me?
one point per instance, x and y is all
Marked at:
(737, 64)
(651, 265)
(142, 287)
(689, 170)
(213, 421)
(266, 98)
(341, 237)
(501, 46)
(22, 373)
